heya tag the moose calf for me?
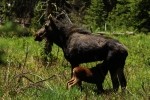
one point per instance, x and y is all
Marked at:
(91, 75)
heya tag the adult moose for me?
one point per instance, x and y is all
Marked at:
(80, 46)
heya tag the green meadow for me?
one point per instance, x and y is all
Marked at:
(25, 75)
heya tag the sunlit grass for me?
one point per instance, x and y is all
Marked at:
(24, 75)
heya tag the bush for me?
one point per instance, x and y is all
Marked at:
(10, 29)
(95, 15)
(1, 58)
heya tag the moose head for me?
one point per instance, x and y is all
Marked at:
(52, 26)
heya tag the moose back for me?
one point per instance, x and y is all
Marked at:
(80, 46)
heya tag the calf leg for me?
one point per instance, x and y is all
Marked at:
(72, 67)
(80, 84)
(72, 82)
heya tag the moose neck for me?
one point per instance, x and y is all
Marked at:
(60, 32)
(60, 40)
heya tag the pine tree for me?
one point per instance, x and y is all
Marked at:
(95, 15)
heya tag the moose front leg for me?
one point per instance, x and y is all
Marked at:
(100, 88)
(114, 78)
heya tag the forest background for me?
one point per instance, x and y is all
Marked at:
(97, 15)
(27, 73)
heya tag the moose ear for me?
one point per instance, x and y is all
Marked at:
(50, 16)
(46, 26)
(52, 22)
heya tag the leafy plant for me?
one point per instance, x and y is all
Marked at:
(95, 15)
(10, 29)
(25, 76)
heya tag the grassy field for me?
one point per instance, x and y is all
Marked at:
(24, 75)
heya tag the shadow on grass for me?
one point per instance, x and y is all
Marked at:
(2, 60)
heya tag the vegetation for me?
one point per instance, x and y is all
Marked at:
(11, 29)
(26, 75)
(24, 72)
(101, 15)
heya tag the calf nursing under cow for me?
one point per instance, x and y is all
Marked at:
(93, 75)
(80, 46)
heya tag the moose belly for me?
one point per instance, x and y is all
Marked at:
(83, 56)
(90, 79)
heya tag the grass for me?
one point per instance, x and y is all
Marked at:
(25, 75)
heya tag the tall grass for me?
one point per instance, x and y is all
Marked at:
(25, 75)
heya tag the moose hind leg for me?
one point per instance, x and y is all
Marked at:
(100, 88)
(113, 65)
(122, 78)
(103, 70)
(114, 78)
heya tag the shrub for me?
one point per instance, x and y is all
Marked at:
(10, 29)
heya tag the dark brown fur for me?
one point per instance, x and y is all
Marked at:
(80, 46)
